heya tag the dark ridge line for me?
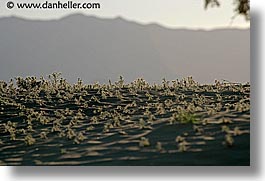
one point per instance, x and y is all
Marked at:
(120, 18)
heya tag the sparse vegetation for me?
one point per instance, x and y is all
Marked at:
(46, 117)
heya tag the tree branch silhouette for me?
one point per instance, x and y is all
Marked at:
(242, 7)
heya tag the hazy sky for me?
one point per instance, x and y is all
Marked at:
(170, 13)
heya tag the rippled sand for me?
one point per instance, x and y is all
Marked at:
(77, 133)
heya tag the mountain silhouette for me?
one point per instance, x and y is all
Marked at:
(97, 49)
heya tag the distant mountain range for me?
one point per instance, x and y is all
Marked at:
(96, 49)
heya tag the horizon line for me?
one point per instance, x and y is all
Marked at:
(127, 20)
